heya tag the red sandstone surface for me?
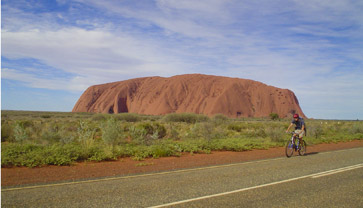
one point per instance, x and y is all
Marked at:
(192, 93)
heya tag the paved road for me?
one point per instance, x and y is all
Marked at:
(329, 179)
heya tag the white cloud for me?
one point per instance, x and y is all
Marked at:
(35, 82)
(296, 46)
(188, 18)
(96, 55)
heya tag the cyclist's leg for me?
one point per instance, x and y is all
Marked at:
(300, 134)
(301, 138)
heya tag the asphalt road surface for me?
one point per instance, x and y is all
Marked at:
(329, 179)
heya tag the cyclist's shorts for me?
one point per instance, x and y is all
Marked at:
(300, 132)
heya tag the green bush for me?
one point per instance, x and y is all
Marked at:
(192, 146)
(25, 123)
(50, 137)
(62, 155)
(31, 155)
(67, 135)
(86, 133)
(235, 144)
(112, 133)
(101, 153)
(99, 117)
(235, 127)
(173, 132)
(316, 130)
(140, 152)
(162, 150)
(276, 134)
(20, 134)
(260, 132)
(220, 119)
(7, 134)
(128, 117)
(201, 130)
(357, 128)
(147, 132)
(274, 116)
(207, 131)
(185, 117)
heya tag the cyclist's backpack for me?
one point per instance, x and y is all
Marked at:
(304, 128)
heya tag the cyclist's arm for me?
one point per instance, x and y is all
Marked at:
(289, 127)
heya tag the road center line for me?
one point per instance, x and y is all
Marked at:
(263, 185)
(326, 173)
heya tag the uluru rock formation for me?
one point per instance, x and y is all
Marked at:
(193, 93)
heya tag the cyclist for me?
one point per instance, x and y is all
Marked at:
(299, 127)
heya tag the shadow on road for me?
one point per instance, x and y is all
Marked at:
(311, 153)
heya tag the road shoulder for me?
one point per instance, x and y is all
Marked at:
(126, 166)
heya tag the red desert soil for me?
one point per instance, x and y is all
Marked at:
(22, 175)
(192, 93)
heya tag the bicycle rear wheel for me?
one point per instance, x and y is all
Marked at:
(302, 149)
(289, 149)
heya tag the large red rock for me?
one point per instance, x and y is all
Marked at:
(194, 93)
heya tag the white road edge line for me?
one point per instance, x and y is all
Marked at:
(263, 185)
(152, 174)
(139, 176)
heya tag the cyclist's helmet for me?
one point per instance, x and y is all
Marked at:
(296, 115)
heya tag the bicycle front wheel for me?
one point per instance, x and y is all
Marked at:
(289, 149)
(302, 149)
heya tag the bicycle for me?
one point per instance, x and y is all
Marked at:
(291, 146)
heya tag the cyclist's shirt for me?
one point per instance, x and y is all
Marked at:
(299, 123)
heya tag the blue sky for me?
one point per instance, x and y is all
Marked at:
(52, 50)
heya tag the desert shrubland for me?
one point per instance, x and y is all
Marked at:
(47, 138)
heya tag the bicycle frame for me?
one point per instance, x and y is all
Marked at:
(293, 139)
(294, 145)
